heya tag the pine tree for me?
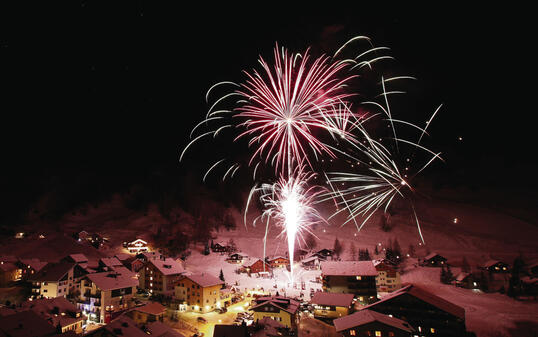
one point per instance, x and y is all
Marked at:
(353, 251)
(376, 251)
(449, 275)
(221, 276)
(443, 274)
(337, 248)
(206, 248)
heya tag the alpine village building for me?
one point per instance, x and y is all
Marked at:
(331, 305)
(160, 274)
(371, 323)
(388, 278)
(353, 277)
(281, 309)
(53, 280)
(199, 293)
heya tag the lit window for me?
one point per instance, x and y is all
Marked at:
(359, 278)
(432, 330)
(352, 332)
(378, 333)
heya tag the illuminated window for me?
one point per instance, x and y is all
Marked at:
(432, 330)
(352, 332)
(378, 333)
(391, 334)
(359, 278)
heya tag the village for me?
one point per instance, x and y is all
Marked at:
(141, 291)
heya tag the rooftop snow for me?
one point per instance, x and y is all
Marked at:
(368, 316)
(348, 268)
(338, 300)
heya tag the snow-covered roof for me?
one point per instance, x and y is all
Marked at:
(490, 263)
(25, 323)
(53, 271)
(123, 256)
(158, 329)
(432, 255)
(153, 308)
(113, 280)
(278, 257)
(110, 261)
(7, 266)
(204, 280)
(368, 316)
(462, 276)
(311, 258)
(529, 280)
(166, 265)
(348, 268)
(283, 303)
(269, 327)
(125, 326)
(45, 308)
(35, 264)
(338, 300)
(425, 296)
(78, 258)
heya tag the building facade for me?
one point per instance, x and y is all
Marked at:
(387, 279)
(199, 293)
(351, 277)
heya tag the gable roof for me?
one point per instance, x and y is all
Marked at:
(432, 255)
(339, 300)
(153, 308)
(491, 263)
(348, 268)
(25, 324)
(283, 303)
(53, 271)
(35, 264)
(158, 329)
(166, 265)
(425, 296)
(113, 280)
(8, 266)
(204, 280)
(124, 326)
(222, 330)
(110, 261)
(369, 316)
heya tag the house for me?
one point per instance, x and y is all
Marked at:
(8, 273)
(151, 312)
(76, 258)
(53, 280)
(371, 323)
(282, 309)
(137, 246)
(255, 266)
(312, 262)
(109, 263)
(353, 277)
(83, 235)
(26, 324)
(279, 262)
(428, 314)
(59, 312)
(223, 330)
(433, 260)
(199, 292)
(104, 295)
(28, 267)
(467, 280)
(160, 274)
(301, 253)
(325, 253)
(496, 266)
(235, 258)
(388, 278)
(331, 305)
(268, 327)
(219, 247)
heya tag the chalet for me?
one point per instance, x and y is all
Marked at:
(26, 324)
(255, 266)
(353, 277)
(282, 309)
(433, 260)
(28, 267)
(388, 278)
(8, 273)
(467, 280)
(331, 305)
(137, 246)
(495, 266)
(151, 312)
(53, 280)
(325, 253)
(76, 258)
(427, 313)
(199, 293)
(109, 263)
(106, 294)
(235, 258)
(59, 312)
(219, 247)
(160, 274)
(279, 262)
(371, 323)
(312, 262)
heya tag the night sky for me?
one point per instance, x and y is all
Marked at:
(114, 89)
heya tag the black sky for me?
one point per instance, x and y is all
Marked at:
(116, 86)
